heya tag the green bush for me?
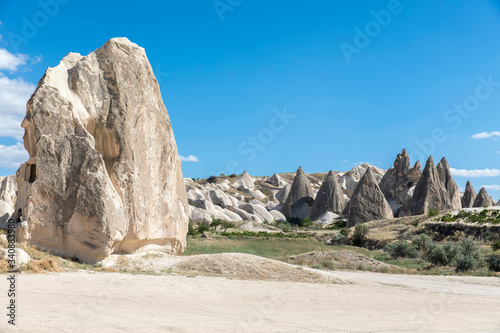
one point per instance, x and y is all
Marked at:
(340, 224)
(493, 262)
(440, 255)
(215, 223)
(191, 229)
(297, 221)
(359, 236)
(422, 243)
(345, 232)
(468, 256)
(306, 222)
(402, 249)
(227, 225)
(338, 239)
(496, 245)
(284, 226)
(433, 212)
(203, 227)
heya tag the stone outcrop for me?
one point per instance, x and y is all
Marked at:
(301, 188)
(330, 198)
(244, 181)
(368, 203)
(399, 182)
(469, 196)
(104, 175)
(436, 189)
(8, 189)
(276, 181)
(450, 187)
(483, 199)
(350, 179)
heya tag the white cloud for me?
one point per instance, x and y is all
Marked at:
(12, 156)
(10, 126)
(486, 135)
(11, 62)
(190, 158)
(492, 187)
(14, 93)
(475, 173)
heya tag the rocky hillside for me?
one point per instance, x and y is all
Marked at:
(325, 197)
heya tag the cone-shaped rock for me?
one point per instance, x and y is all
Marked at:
(329, 198)
(498, 203)
(431, 192)
(368, 203)
(469, 196)
(276, 181)
(301, 188)
(104, 174)
(398, 181)
(449, 184)
(483, 199)
(244, 180)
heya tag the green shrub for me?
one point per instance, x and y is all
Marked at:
(440, 255)
(402, 249)
(203, 227)
(306, 222)
(433, 212)
(493, 262)
(227, 225)
(191, 229)
(422, 243)
(468, 256)
(360, 232)
(297, 221)
(340, 224)
(345, 232)
(215, 223)
(338, 239)
(284, 226)
(496, 245)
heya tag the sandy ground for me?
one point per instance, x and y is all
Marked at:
(366, 302)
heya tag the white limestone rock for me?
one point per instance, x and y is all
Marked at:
(104, 175)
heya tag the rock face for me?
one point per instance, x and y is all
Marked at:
(483, 199)
(350, 179)
(436, 189)
(8, 189)
(301, 188)
(469, 196)
(368, 203)
(104, 175)
(449, 184)
(244, 181)
(276, 181)
(330, 198)
(398, 183)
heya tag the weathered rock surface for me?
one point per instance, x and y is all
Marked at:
(483, 199)
(244, 181)
(368, 203)
(330, 198)
(469, 196)
(8, 189)
(350, 179)
(436, 189)
(283, 193)
(301, 188)
(104, 175)
(398, 183)
(277, 181)
(20, 257)
(451, 188)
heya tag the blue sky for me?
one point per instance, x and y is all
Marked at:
(268, 86)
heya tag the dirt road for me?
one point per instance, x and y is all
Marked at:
(369, 302)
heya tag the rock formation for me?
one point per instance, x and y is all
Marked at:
(244, 181)
(469, 196)
(350, 179)
(276, 181)
(483, 199)
(104, 175)
(8, 189)
(368, 203)
(301, 188)
(330, 198)
(449, 184)
(398, 183)
(436, 189)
